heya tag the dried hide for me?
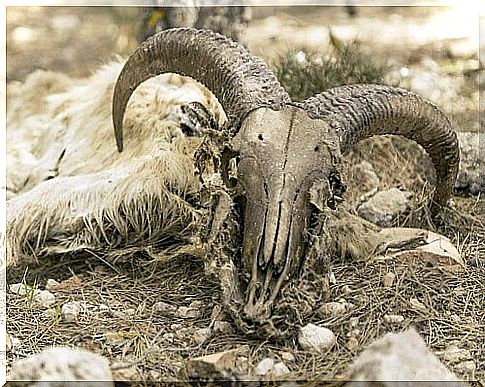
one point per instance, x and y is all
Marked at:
(69, 188)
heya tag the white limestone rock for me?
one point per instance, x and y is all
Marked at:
(52, 284)
(399, 357)
(271, 369)
(388, 279)
(164, 308)
(70, 311)
(333, 309)
(226, 364)
(44, 298)
(314, 338)
(56, 366)
(385, 206)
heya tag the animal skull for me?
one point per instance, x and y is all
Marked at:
(282, 154)
(285, 149)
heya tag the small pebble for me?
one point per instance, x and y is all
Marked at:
(196, 305)
(49, 313)
(12, 343)
(223, 327)
(454, 354)
(128, 374)
(164, 308)
(287, 356)
(279, 369)
(346, 289)
(104, 308)
(352, 344)
(168, 337)
(70, 311)
(333, 309)
(44, 298)
(466, 367)
(242, 363)
(388, 279)
(51, 284)
(314, 338)
(41, 297)
(393, 318)
(201, 335)
(123, 314)
(187, 312)
(416, 304)
(264, 366)
(20, 289)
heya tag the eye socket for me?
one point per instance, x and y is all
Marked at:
(260, 137)
(317, 148)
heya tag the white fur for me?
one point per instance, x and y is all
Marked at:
(96, 197)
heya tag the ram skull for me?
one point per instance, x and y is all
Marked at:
(285, 151)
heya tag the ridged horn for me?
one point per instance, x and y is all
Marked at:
(240, 81)
(361, 111)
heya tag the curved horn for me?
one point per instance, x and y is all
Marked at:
(240, 81)
(361, 111)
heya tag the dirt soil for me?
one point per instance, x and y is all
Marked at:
(424, 50)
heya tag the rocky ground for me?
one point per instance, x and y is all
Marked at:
(151, 319)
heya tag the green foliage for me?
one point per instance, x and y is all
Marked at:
(306, 72)
(30, 293)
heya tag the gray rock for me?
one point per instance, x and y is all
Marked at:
(333, 309)
(70, 311)
(271, 369)
(201, 335)
(103, 308)
(467, 367)
(417, 305)
(264, 366)
(196, 304)
(288, 356)
(385, 206)
(399, 357)
(187, 312)
(279, 369)
(44, 298)
(471, 177)
(40, 297)
(56, 366)
(226, 364)
(20, 289)
(223, 327)
(51, 284)
(314, 338)
(164, 308)
(169, 337)
(393, 318)
(455, 354)
(352, 343)
(128, 374)
(388, 279)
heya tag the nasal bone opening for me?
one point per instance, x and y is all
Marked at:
(271, 284)
(275, 238)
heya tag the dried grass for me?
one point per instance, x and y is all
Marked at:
(454, 301)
